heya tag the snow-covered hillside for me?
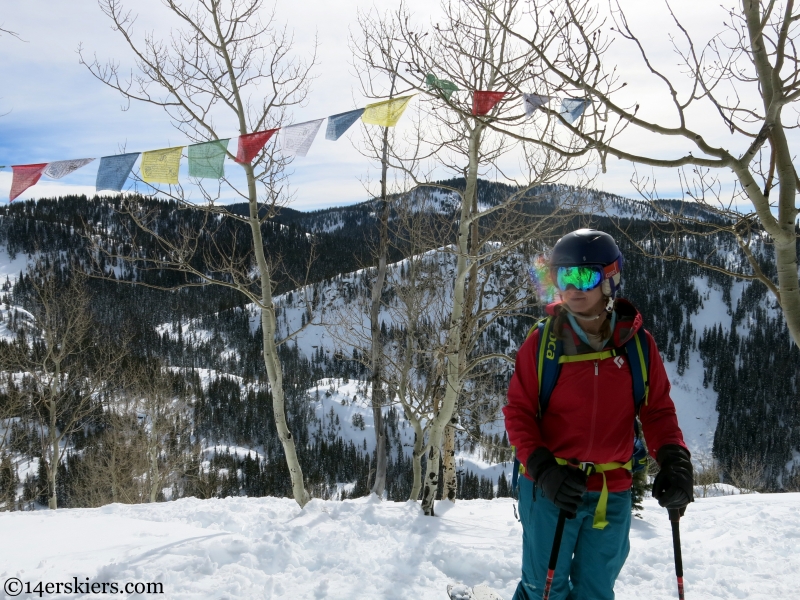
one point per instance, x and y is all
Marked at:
(733, 547)
(341, 322)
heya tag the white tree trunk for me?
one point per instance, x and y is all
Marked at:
(52, 471)
(155, 478)
(453, 351)
(375, 327)
(271, 359)
(450, 481)
(416, 461)
(377, 358)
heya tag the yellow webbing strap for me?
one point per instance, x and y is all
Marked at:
(644, 368)
(602, 504)
(589, 356)
(541, 354)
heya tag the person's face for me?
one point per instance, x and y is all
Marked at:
(583, 303)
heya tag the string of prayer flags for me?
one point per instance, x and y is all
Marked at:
(24, 177)
(206, 160)
(161, 166)
(386, 113)
(251, 144)
(572, 108)
(447, 87)
(114, 171)
(338, 124)
(62, 168)
(483, 102)
(534, 101)
(296, 140)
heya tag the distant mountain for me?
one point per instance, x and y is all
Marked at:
(735, 373)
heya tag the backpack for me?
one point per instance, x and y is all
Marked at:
(549, 358)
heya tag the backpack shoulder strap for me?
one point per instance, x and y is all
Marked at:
(546, 354)
(638, 350)
(548, 366)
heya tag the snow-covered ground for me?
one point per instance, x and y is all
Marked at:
(745, 546)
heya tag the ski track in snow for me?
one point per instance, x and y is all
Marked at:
(745, 546)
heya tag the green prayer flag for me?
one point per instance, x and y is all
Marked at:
(447, 87)
(206, 159)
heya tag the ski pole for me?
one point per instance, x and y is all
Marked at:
(551, 567)
(675, 517)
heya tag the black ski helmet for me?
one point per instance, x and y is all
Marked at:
(590, 247)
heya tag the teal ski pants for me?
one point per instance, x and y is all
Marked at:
(589, 560)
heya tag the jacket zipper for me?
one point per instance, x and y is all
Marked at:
(594, 411)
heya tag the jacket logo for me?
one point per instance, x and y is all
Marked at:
(619, 361)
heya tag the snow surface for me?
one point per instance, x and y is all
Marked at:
(745, 546)
(12, 268)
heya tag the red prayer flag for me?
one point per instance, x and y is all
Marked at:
(483, 102)
(251, 144)
(24, 177)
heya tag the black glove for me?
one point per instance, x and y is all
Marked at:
(674, 484)
(563, 485)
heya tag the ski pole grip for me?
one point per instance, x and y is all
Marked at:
(674, 514)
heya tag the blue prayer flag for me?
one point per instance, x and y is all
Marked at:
(114, 170)
(338, 124)
(572, 108)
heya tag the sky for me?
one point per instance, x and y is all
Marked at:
(54, 109)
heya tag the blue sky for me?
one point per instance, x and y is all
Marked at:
(57, 110)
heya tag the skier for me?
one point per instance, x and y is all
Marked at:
(577, 453)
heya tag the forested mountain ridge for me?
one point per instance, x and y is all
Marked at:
(718, 337)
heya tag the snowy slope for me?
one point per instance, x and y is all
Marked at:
(734, 547)
(342, 322)
(345, 400)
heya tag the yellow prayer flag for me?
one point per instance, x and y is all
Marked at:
(161, 166)
(386, 113)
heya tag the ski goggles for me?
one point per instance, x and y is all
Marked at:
(582, 278)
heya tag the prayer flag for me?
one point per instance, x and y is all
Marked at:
(447, 87)
(114, 171)
(534, 101)
(483, 102)
(161, 166)
(206, 159)
(61, 168)
(572, 108)
(338, 124)
(386, 113)
(297, 139)
(251, 144)
(24, 177)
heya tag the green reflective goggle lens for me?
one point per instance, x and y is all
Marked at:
(581, 278)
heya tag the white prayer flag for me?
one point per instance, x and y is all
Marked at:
(534, 101)
(297, 139)
(62, 168)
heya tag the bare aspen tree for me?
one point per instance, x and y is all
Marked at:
(732, 108)
(63, 368)
(469, 50)
(231, 63)
(162, 416)
(377, 148)
(111, 469)
(414, 289)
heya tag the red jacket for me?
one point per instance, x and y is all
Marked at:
(590, 413)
